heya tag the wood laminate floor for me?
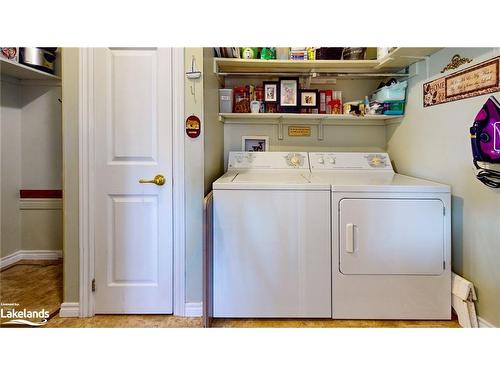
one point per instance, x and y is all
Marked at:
(40, 285)
(169, 321)
(32, 285)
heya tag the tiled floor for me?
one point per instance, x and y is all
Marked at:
(40, 285)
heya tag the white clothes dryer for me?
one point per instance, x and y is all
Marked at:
(390, 239)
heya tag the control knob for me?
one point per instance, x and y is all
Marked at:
(294, 160)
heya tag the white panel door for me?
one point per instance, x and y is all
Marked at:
(391, 236)
(133, 141)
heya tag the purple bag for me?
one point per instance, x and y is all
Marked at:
(485, 141)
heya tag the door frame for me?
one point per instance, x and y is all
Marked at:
(86, 182)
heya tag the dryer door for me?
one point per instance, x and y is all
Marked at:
(391, 236)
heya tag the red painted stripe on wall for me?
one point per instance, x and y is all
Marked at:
(40, 193)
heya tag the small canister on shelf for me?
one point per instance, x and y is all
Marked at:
(241, 100)
(259, 97)
(259, 93)
(336, 103)
(225, 100)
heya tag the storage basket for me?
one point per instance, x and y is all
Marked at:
(393, 92)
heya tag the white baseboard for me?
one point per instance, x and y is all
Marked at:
(193, 309)
(483, 323)
(30, 255)
(69, 310)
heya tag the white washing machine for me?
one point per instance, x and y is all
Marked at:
(271, 227)
(390, 239)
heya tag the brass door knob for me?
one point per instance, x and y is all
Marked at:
(157, 180)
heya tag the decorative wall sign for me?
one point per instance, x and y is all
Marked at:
(299, 131)
(193, 126)
(478, 80)
(455, 62)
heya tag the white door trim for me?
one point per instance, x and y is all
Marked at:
(179, 233)
(86, 181)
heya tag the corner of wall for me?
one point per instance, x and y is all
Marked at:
(434, 143)
(70, 119)
(194, 178)
(214, 130)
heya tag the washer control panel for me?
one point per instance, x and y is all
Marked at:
(350, 161)
(268, 160)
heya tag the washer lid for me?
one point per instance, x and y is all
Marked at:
(269, 171)
(268, 180)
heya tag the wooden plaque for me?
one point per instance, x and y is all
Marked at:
(299, 131)
(477, 80)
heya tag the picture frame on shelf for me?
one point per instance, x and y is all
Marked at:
(309, 98)
(289, 94)
(271, 107)
(254, 143)
(271, 91)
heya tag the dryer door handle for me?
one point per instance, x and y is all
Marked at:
(349, 238)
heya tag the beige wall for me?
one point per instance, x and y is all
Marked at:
(434, 143)
(10, 121)
(214, 130)
(336, 138)
(194, 175)
(70, 73)
(41, 229)
(31, 159)
(41, 137)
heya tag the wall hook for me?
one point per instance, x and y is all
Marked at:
(194, 73)
(280, 128)
(321, 134)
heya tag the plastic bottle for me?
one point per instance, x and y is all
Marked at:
(367, 105)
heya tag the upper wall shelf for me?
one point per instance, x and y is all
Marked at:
(23, 72)
(312, 119)
(392, 64)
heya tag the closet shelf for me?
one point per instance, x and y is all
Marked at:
(19, 71)
(307, 119)
(393, 63)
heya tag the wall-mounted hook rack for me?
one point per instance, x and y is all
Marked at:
(280, 128)
(321, 134)
(194, 73)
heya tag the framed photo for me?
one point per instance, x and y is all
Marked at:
(271, 107)
(289, 94)
(271, 91)
(309, 98)
(254, 143)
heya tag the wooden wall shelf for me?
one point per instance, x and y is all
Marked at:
(393, 63)
(23, 72)
(307, 119)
